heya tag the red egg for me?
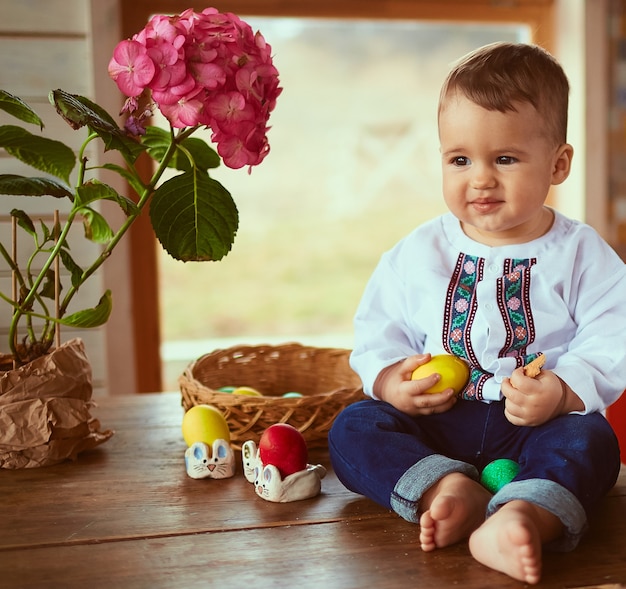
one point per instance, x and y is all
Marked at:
(283, 446)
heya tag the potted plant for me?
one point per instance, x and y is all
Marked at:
(201, 70)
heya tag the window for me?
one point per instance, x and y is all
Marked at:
(354, 166)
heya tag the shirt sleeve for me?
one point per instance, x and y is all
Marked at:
(594, 361)
(381, 330)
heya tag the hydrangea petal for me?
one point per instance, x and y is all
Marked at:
(204, 68)
(131, 67)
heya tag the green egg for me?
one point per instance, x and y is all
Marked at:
(226, 389)
(498, 473)
(292, 395)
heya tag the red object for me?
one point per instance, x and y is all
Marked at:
(616, 414)
(283, 446)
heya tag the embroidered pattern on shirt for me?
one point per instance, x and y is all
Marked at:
(513, 296)
(513, 293)
(459, 314)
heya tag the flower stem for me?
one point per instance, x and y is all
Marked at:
(23, 307)
(144, 198)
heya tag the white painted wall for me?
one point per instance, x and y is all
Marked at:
(44, 45)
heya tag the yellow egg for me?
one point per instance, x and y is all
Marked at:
(204, 423)
(454, 373)
(249, 391)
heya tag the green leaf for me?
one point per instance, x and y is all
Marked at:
(48, 287)
(194, 217)
(205, 157)
(96, 227)
(41, 153)
(132, 179)
(117, 139)
(158, 141)
(24, 221)
(56, 230)
(76, 272)
(24, 292)
(95, 317)
(93, 107)
(13, 184)
(45, 231)
(94, 190)
(79, 111)
(19, 109)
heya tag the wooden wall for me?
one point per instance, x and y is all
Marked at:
(44, 45)
(617, 123)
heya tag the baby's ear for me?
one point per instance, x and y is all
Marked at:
(562, 163)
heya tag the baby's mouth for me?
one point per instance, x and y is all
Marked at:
(485, 205)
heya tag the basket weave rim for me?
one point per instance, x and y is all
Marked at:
(188, 377)
(336, 385)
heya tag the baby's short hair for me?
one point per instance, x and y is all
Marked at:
(498, 75)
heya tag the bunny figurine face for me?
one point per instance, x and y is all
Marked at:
(250, 459)
(203, 462)
(303, 484)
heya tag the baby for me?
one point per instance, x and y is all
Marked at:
(498, 280)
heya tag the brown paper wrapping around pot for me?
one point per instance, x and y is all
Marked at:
(322, 375)
(44, 409)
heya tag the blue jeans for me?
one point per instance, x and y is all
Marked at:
(566, 465)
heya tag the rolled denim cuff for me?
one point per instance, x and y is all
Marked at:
(419, 478)
(552, 497)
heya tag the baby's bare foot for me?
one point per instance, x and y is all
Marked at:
(455, 507)
(510, 541)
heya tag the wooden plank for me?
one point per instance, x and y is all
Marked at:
(30, 67)
(147, 465)
(127, 515)
(43, 16)
(536, 13)
(380, 552)
(143, 461)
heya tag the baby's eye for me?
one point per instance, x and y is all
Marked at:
(506, 160)
(460, 160)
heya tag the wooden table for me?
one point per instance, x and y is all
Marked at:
(127, 515)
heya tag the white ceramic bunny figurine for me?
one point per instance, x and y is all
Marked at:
(303, 484)
(203, 462)
(251, 459)
(268, 483)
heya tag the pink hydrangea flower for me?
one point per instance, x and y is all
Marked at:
(131, 67)
(203, 68)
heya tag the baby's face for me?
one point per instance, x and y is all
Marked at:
(497, 170)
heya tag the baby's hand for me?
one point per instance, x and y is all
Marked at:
(533, 401)
(395, 386)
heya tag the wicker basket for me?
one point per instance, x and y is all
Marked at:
(322, 375)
